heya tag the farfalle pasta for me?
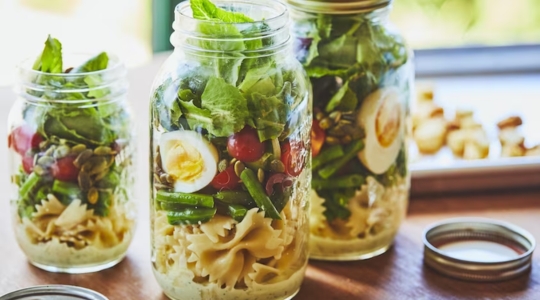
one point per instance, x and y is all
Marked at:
(64, 235)
(375, 214)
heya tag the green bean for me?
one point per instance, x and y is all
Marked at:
(348, 181)
(27, 186)
(190, 216)
(327, 155)
(169, 206)
(237, 212)
(67, 189)
(235, 197)
(256, 191)
(350, 152)
(280, 200)
(186, 199)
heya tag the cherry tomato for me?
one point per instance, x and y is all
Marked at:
(293, 156)
(64, 169)
(226, 180)
(28, 163)
(24, 138)
(245, 145)
(317, 138)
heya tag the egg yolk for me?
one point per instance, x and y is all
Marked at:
(388, 120)
(183, 162)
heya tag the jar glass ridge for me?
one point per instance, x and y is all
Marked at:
(362, 75)
(232, 106)
(72, 167)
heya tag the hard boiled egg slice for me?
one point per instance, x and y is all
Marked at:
(383, 118)
(189, 158)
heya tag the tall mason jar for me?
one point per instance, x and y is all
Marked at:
(362, 75)
(230, 137)
(71, 164)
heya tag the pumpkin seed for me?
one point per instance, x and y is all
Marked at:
(61, 151)
(346, 139)
(110, 160)
(335, 115)
(93, 196)
(277, 166)
(319, 116)
(94, 165)
(330, 140)
(43, 145)
(260, 175)
(336, 131)
(238, 168)
(101, 174)
(102, 150)
(84, 181)
(78, 148)
(39, 170)
(45, 161)
(170, 179)
(156, 178)
(326, 123)
(163, 178)
(50, 151)
(82, 158)
(222, 165)
(233, 161)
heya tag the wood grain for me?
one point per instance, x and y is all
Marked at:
(397, 274)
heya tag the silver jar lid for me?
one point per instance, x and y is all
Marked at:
(478, 249)
(54, 292)
(338, 6)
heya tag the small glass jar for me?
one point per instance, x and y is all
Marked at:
(230, 139)
(71, 141)
(362, 75)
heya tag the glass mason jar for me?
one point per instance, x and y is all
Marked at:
(362, 76)
(71, 154)
(230, 151)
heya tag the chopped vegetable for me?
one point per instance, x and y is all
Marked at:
(256, 191)
(185, 198)
(191, 216)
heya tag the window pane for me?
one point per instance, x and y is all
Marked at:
(122, 27)
(453, 23)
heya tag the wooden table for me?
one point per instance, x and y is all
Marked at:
(397, 274)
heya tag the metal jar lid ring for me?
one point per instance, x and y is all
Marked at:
(54, 292)
(478, 249)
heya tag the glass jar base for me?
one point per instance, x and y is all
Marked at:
(288, 298)
(78, 269)
(352, 256)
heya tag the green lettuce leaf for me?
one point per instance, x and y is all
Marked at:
(345, 99)
(50, 60)
(269, 115)
(228, 107)
(197, 117)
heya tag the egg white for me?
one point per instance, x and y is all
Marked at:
(376, 157)
(208, 154)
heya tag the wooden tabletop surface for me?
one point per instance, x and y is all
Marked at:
(397, 274)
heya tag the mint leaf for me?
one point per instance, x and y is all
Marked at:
(50, 60)
(228, 107)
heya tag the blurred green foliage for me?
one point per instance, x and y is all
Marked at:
(451, 23)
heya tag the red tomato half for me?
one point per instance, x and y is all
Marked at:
(226, 180)
(317, 138)
(28, 163)
(64, 169)
(24, 138)
(293, 156)
(245, 145)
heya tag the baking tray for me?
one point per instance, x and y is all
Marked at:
(492, 99)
